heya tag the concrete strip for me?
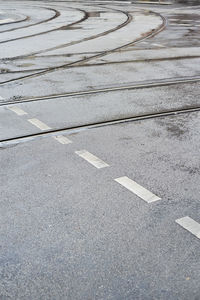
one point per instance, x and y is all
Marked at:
(137, 189)
(190, 225)
(146, 54)
(92, 159)
(140, 28)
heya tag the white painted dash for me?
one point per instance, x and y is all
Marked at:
(92, 159)
(39, 124)
(137, 189)
(62, 139)
(190, 225)
(17, 110)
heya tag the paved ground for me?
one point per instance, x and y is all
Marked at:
(99, 150)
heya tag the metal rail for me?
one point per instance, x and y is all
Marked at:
(103, 53)
(140, 85)
(69, 130)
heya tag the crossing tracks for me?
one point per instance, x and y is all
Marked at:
(99, 107)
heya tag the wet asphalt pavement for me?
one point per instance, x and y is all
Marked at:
(99, 150)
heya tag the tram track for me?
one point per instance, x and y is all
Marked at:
(85, 16)
(140, 85)
(56, 14)
(75, 129)
(146, 60)
(127, 21)
(129, 86)
(15, 22)
(103, 53)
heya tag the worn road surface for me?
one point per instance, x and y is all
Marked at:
(99, 150)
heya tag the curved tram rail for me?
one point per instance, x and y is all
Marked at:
(92, 57)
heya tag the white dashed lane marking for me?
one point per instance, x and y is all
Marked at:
(62, 139)
(190, 225)
(39, 124)
(92, 159)
(137, 189)
(17, 110)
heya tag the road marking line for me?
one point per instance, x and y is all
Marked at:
(62, 139)
(190, 225)
(137, 189)
(17, 110)
(92, 159)
(39, 124)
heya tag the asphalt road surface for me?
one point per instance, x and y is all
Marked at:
(99, 150)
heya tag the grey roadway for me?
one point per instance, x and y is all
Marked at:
(67, 112)
(68, 230)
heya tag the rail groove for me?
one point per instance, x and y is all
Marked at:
(144, 84)
(56, 14)
(103, 53)
(69, 130)
(85, 16)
